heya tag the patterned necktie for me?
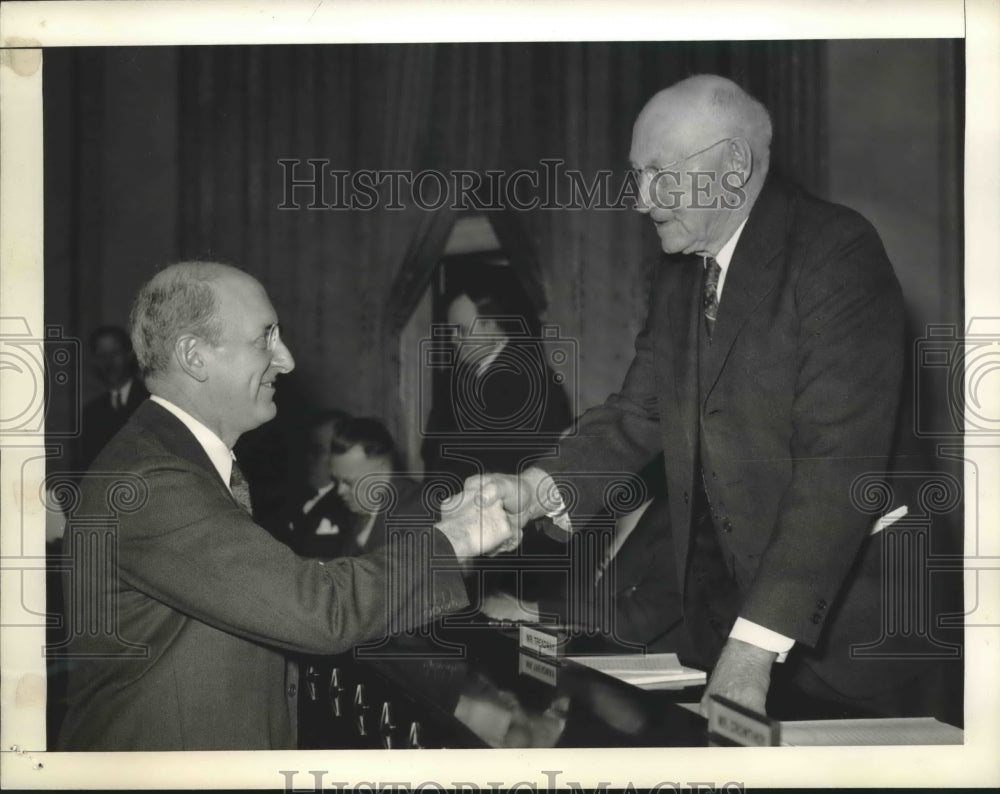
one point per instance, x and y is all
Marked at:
(710, 293)
(240, 488)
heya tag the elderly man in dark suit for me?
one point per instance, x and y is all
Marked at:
(769, 375)
(209, 602)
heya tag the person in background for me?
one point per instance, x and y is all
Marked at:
(115, 367)
(500, 405)
(364, 466)
(500, 398)
(316, 513)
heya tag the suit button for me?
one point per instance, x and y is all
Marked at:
(817, 618)
(292, 690)
(727, 525)
(687, 497)
(821, 604)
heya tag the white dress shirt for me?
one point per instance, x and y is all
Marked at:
(725, 256)
(221, 456)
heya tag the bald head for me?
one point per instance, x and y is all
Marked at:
(703, 109)
(181, 299)
(700, 150)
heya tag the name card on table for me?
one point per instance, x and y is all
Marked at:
(537, 669)
(732, 724)
(539, 642)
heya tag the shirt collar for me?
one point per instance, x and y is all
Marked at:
(216, 449)
(725, 255)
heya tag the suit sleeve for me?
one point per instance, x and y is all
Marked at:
(847, 392)
(195, 550)
(618, 437)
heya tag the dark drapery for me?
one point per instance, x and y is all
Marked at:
(176, 154)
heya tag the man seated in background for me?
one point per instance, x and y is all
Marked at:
(364, 466)
(316, 514)
(115, 367)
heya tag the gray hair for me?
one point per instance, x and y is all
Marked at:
(180, 299)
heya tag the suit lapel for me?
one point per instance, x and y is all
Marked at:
(684, 285)
(752, 274)
(176, 438)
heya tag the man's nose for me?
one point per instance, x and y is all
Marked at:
(282, 357)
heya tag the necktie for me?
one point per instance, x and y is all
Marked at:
(240, 488)
(710, 293)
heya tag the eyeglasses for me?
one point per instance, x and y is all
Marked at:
(272, 335)
(652, 171)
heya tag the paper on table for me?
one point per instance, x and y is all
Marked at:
(650, 671)
(870, 732)
(632, 663)
(862, 732)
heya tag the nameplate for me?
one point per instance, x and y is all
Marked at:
(538, 641)
(737, 725)
(537, 669)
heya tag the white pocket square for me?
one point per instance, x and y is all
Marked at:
(326, 528)
(889, 519)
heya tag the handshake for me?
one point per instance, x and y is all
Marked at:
(487, 517)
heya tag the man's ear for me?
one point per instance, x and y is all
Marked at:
(739, 158)
(188, 353)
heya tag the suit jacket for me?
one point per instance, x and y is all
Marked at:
(636, 600)
(100, 421)
(798, 397)
(207, 604)
(329, 513)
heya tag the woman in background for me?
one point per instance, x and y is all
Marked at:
(503, 395)
(500, 403)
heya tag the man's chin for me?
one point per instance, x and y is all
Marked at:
(267, 410)
(670, 243)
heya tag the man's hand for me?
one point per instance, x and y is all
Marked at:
(476, 523)
(527, 496)
(503, 606)
(742, 674)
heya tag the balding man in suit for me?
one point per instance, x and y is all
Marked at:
(769, 375)
(208, 601)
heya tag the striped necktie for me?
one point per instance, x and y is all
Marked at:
(710, 293)
(240, 487)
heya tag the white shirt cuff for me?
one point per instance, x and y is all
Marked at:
(559, 514)
(755, 634)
